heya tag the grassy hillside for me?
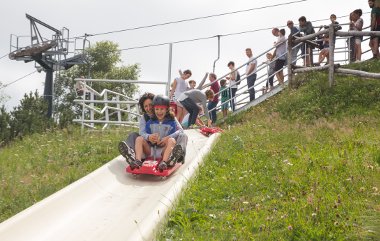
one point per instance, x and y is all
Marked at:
(41, 164)
(302, 166)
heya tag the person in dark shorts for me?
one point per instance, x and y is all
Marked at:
(375, 26)
(280, 53)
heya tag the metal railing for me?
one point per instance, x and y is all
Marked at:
(341, 52)
(108, 106)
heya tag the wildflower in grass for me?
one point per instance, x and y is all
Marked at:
(309, 199)
(238, 142)
(290, 227)
(287, 162)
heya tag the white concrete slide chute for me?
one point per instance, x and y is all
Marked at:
(107, 204)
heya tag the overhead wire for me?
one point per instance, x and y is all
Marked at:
(191, 19)
(215, 36)
(175, 42)
(182, 41)
(4, 56)
(8, 84)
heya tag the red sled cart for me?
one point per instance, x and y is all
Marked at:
(150, 167)
(207, 131)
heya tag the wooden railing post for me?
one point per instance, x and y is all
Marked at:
(331, 54)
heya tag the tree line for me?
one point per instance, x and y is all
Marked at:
(103, 61)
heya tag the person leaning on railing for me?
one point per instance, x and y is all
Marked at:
(307, 28)
(294, 32)
(234, 81)
(279, 53)
(375, 26)
(357, 25)
(211, 106)
(250, 72)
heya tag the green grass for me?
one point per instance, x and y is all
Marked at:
(41, 164)
(302, 166)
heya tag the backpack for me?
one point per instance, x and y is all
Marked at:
(237, 78)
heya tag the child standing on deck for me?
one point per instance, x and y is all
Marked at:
(224, 92)
(271, 73)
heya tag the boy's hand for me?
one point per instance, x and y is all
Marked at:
(163, 141)
(154, 138)
(209, 122)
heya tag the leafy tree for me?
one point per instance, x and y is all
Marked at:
(5, 128)
(102, 61)
(30, 116)
(3, 97)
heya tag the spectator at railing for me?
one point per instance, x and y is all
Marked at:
(279, 54)
(80, 87)
(234, 79)
(271, 66)
(357, 25)
(336, 23)
(179, 86)
(351, 40)
(375, 26)
(225, 96)
(193, 83)
(324, 53)
(307, 28)
(294, 31)
(250, 72)
(214, 102)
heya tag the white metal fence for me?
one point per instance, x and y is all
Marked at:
(341, 56)
(107, 107)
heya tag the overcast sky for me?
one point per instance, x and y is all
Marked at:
(98, 16)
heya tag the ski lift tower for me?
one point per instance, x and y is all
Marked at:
(49, 54)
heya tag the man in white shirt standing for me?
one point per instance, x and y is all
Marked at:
(251, 73)
(280, 53)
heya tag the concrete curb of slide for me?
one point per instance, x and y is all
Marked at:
(107, 204)
(150, 226)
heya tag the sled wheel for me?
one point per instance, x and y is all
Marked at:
(182, 161)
